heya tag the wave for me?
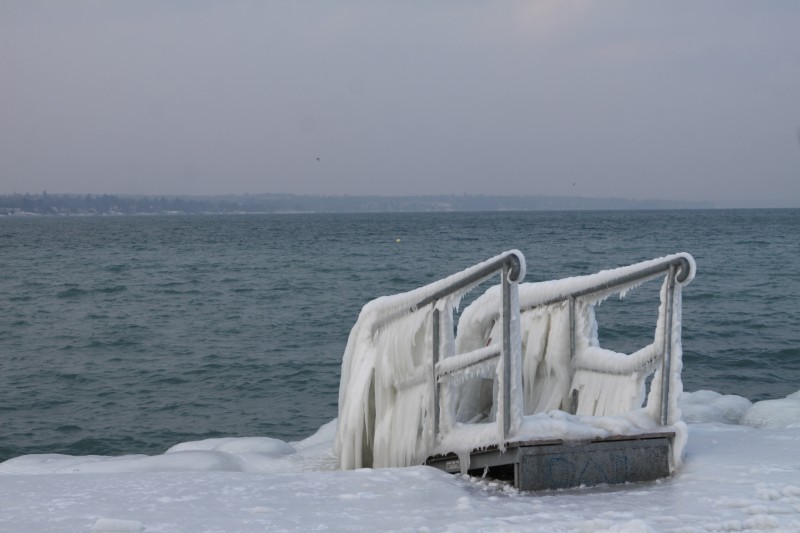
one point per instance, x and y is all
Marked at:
(72, 292)
(111, 290)
(77, 292)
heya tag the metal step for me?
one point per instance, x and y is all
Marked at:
(558, 464)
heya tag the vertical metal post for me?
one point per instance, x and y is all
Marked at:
(573, 407)
(506, 349)
(666, 367)
(435, 392)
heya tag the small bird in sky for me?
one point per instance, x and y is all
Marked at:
(318, 159)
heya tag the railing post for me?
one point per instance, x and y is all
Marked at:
(506, 349)
(666, 367)
(573, 407)
(436, 348)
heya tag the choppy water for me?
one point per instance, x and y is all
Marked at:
(130, 334)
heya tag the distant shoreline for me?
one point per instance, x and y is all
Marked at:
(105, 204)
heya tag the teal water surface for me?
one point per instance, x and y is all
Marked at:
(131, 334)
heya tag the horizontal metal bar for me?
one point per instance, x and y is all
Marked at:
(681, 263)
(462, 361)
(511, 259)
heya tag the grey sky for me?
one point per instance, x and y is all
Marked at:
(629, 98)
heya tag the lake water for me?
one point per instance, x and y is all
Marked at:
(131, 334)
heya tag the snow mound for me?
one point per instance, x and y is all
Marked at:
(711, 406)
(113, 524)
(782, 413)
(734, 478)
(244, 454)
(263, 445)
(705, 406)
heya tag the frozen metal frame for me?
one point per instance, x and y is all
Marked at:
(511, 266)
(677, 271)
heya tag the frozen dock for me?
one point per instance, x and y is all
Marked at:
(556, 464)
(522, 389)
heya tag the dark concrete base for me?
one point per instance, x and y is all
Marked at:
(555, 464)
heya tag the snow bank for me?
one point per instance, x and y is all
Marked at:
(710, 406)
(783, 413)
(315, 453)
(117, 525)
(734, 478)
(246, 454)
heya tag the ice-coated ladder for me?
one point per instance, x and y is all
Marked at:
(402, 350)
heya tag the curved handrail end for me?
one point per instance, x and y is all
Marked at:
(518, 268)
(686, 268)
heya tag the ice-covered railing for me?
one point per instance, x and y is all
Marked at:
(400, 361)
(563, 365)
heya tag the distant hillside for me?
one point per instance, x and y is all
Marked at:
(70, 204)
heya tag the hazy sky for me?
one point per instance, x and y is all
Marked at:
(631, 98)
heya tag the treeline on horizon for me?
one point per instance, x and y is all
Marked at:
(105, 204)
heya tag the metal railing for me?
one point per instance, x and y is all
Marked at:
(678, 270)
(511, 266)
(442, 369)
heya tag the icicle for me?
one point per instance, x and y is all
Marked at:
(385, 402)
(386, 415)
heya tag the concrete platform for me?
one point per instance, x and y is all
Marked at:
(556, 464)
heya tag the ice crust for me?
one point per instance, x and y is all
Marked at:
(264, 455)
(734, 478)
(315, 453)
(385, 401)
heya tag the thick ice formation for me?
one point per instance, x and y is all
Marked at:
(385, 402)
(710, 406)
(784, 412)
(559, 370)
(547, 369)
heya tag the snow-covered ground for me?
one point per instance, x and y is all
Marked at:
(741, 473)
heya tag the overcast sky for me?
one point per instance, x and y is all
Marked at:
(630, 98)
